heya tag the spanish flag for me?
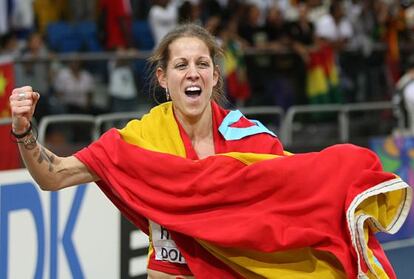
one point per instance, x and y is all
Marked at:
(248, 214)
(9, 158)
(323, 77)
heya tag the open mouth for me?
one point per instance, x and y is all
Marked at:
(193, 91)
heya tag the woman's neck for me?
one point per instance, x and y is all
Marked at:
(198, 127)
(200, 131)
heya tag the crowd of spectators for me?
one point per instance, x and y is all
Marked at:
(278, 52)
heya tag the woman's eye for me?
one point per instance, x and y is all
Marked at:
(180, 66)
(204, 64)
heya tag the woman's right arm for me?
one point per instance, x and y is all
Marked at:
(51, 172)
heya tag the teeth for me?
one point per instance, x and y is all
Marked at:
(193, 88)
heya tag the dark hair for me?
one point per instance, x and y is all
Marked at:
(161, 55)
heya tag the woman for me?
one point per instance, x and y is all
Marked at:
(226, 216)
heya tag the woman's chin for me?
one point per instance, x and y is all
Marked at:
(194, 110)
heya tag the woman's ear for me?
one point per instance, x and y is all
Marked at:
(161, 77)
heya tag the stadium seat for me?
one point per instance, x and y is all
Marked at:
(65, 37)
(56, 32)
(142, 35)
(89, 34)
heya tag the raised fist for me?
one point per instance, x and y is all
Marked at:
(22, 103)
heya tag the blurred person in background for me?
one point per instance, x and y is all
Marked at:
(36, 71)
(404, 97)
(302, 32)
(189, 12)
(73, 87)
(9, 45)
(115, 24)
(122, 86)
(81, 10)
(334, 28)
(302, 35)
(276, 28)
(280, 89)
(332, 33)
(47, 12)
(250, 28)
(258, 66)
(162, 18)
(23, 18)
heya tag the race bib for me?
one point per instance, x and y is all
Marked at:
(164, 247)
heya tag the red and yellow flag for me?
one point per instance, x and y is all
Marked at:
(9, 156)
(253, 215)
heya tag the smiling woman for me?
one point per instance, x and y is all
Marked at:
(216, 193)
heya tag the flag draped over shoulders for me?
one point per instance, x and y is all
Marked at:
(252, 215)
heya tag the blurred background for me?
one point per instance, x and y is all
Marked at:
(315, 72)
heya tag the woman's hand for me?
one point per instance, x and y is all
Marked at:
(22, 104)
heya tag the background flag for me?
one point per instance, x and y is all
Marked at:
(323, 77)
(9, 156)
(238, 86)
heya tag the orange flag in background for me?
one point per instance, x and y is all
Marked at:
(9, 156)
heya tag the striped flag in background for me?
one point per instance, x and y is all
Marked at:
(323, 77)
(9, 156)
(238, 86)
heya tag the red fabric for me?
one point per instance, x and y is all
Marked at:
(273, 205)
(270, 145)
(9, 158)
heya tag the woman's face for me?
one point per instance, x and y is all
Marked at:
(190, 77)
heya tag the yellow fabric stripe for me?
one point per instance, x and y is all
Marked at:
(383, 207)
(304, 263)
(156, 131)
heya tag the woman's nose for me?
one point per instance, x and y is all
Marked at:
(192, 72)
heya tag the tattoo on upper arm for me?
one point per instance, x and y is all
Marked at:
(48, 158)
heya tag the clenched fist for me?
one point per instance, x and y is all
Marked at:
(22, 103)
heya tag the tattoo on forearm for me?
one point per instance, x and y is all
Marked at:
(49, 159)
(30, 143)
(30, 146)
